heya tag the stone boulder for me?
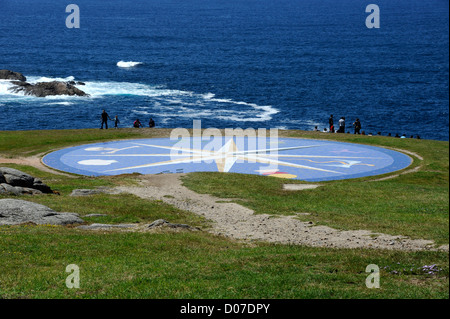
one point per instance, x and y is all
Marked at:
(15, 211)
(10, 75)
(13, 181)
(43, 89)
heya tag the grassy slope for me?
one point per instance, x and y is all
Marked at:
(200, 265)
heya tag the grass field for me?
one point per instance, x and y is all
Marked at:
(168, 264)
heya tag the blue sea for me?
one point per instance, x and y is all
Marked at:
(284, 64)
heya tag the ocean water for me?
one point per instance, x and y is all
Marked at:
(238, 63)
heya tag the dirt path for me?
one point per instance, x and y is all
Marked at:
(235, 221)
(34, 161)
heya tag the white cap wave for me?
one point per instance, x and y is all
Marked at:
(128, 64)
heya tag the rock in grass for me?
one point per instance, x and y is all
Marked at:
(105, 226)
(165, 223)
(85, 192)
(15, 211)
(15, 182)
(99, 190)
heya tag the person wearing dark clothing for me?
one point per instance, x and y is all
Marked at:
(342, 125)
(116, 121)
(357, 125)
(331, 122)
(151, 123)
(137, 123)
(105, 118)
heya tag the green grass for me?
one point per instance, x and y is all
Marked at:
(168, 264)
(199, 265)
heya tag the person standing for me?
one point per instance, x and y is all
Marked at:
(116, 121)
(342, 125)
(331, 123)
(357, 125)
(151, 123)
(105, 118)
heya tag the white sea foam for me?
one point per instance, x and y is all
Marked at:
(60, 103)
(164, 102)
(4, 87)
(129, 64)
(36, 79)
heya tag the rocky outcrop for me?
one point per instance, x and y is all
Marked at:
(15, 212)
(10, 75)
(40, 89)
(43, 89)
(15, 182)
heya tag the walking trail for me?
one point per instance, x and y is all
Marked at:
(238, 222)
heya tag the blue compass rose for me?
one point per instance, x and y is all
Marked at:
(303, 159)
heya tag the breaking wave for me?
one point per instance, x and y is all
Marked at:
(129, 64)
(161, 101)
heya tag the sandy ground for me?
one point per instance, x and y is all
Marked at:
(34, 161)
(238, 222)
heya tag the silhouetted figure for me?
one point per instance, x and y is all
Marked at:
(342, 125)
(396, 135)
(105, 118)
(151, 123)
(357, 125)
(331, 123)
(116, 121)
(137, 124)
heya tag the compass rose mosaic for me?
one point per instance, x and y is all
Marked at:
(291, 158)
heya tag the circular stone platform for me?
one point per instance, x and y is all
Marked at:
(292, 158)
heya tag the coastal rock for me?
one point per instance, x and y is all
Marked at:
(14, 212)
(43, 89)
(10, 75)
(15, 182)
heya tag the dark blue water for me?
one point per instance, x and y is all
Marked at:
(235, 63)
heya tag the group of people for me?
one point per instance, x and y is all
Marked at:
(136, 123)
(356, 126)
